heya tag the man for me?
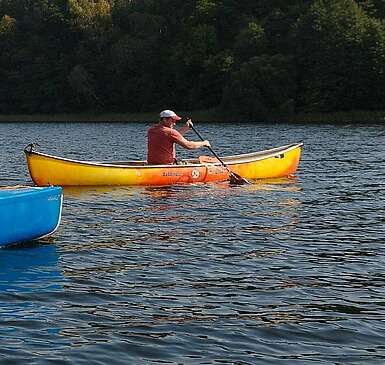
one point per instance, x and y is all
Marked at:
(161, 139)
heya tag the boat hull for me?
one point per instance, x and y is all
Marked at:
(28, 213)
(51, 170)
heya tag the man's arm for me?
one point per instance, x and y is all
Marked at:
(192, 145)
(177, 137)
(186, 127)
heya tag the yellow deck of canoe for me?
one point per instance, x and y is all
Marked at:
(52, 170)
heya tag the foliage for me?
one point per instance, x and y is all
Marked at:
(339, 53)
(256, 58)
(7, 25)
(264, 86)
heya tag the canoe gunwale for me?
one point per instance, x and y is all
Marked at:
(261, 155)
(229, 160)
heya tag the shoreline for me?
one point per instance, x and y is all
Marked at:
(206, 115)
(356, 116)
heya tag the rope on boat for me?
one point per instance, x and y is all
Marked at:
(29, 148)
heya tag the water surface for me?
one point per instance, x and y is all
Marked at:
(277, 272)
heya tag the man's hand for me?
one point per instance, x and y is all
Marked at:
(189, 123)
(206, 143)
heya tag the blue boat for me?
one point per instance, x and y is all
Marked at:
(28, 213)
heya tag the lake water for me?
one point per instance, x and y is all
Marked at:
(283, 272)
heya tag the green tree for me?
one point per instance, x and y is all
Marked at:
(250, 42)
(263, 87)
(7, 25)
(332, 47)
(90, 15)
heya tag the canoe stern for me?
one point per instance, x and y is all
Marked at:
(279, 164)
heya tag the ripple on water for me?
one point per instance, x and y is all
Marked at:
(277, 272)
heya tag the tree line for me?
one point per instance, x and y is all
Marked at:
(254, 58)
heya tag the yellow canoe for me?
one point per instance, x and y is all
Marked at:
(52, 170)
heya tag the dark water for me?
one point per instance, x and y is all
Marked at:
(283, 272)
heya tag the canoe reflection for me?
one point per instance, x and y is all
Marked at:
(90, 192)
(121, 216)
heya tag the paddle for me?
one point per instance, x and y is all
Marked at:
(234, 178)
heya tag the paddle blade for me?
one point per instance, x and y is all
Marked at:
(237, 180)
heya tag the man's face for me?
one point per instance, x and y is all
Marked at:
(171, 122)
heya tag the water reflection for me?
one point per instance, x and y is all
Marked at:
(94, 192)
(167, 191)
(279, 271)
(29, 267)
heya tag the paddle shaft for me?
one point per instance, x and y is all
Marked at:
(233, 176)
(212, 151)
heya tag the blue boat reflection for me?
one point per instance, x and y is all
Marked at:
(30, 267)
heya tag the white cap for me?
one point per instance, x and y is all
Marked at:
(169, 114)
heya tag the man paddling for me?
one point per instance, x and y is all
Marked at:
(161, 139)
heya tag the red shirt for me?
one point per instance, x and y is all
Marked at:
(161, 144)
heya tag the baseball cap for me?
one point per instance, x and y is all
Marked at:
(169, 114)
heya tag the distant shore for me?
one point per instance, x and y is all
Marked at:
(201, 116)
(206, 115)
